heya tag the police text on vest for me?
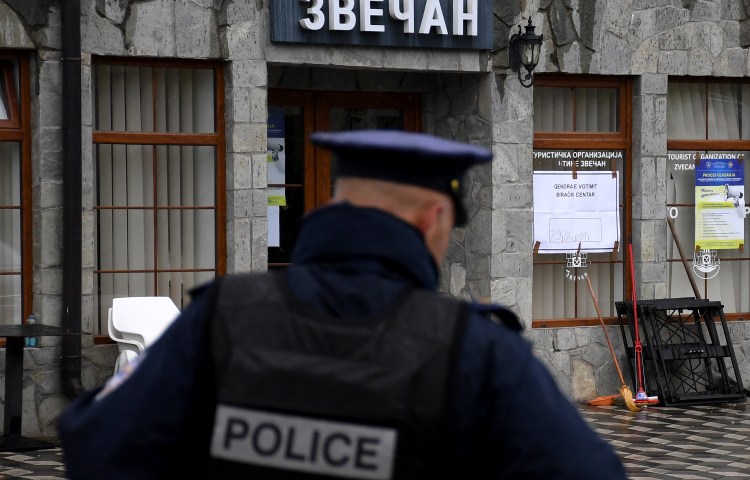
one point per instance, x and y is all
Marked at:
(303, 444)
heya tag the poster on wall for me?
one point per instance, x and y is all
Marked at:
(719, 201)
(572, 213)
(276, 157)
(276, 173)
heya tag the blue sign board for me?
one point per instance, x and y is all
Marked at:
(720, 201)
(453, 24)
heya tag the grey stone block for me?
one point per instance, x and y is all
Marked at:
(508, 12)
(660, 115)
(504, 265)
(237, 11)
(646, 57)
(654, 144)
(646, 239)
(642, 26)
(478, 236)
(647, 4)
(511, 231)
(50, 194)
(50, 139)
(670, 17)
(260, 169)
(239, 171)
(731, 31)
(564, 339)
(512, 132)
(561, 23)
(196, 30)
(677, 38)
(478, 266)
(592, 13)
(615, 57)
(653, 207)
(259, 206)
(50, 109)
(673, 63)
(260, 244)
(238, 105)
(150, 29)
(51, 164)
(597, 354)
(617, 17)
(512, 196)
(239, 256)
(49, 35)
(505, 164)
(709, 37)
(583, 336)
(706, 11)
(50, 78)
(569, 57)
(242, 203)
(457, 279)
(49, 411)
(100, 36)
(731, 62)
(247, 73)
(701, 63)
(114, 10)
(731, 9)
(34, 12)
(247, 137)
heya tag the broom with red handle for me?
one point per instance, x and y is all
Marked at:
(641, 397)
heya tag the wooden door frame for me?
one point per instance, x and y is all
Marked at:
(619, 140)
(316, 105)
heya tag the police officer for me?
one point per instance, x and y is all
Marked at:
(348, 364)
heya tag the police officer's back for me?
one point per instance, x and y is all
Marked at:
(347, 364)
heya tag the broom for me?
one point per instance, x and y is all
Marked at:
(641, 397)
(627, 395)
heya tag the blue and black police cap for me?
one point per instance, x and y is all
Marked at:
(405, 157)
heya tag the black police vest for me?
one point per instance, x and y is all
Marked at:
(304, 395)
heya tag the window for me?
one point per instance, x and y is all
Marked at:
(581, 133)
(709, 119)
(159, 177)
(305, 182)
(15, 190)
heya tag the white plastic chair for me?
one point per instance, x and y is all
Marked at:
(134, 323)
(128, 349)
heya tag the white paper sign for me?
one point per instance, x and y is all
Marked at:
(569, 212)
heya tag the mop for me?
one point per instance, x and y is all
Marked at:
(641, 398)
(627, 395)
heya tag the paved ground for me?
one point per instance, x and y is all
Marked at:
(692, 443)
(698, 442)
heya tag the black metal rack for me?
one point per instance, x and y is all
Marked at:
(687, 352)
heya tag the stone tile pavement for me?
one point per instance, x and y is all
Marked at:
(697, 442)
(709, 442)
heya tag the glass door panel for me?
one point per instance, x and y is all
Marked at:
(306, 180)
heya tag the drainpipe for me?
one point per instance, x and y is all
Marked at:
(72, 206)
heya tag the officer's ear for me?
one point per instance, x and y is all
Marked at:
(428, 217)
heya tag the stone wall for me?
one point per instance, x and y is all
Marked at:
(468, 96)
(649, 40)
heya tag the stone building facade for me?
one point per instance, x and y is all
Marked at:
(464, 94)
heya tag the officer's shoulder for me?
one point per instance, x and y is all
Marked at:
(497, 313)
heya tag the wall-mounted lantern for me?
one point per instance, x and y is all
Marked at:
(523, 49)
